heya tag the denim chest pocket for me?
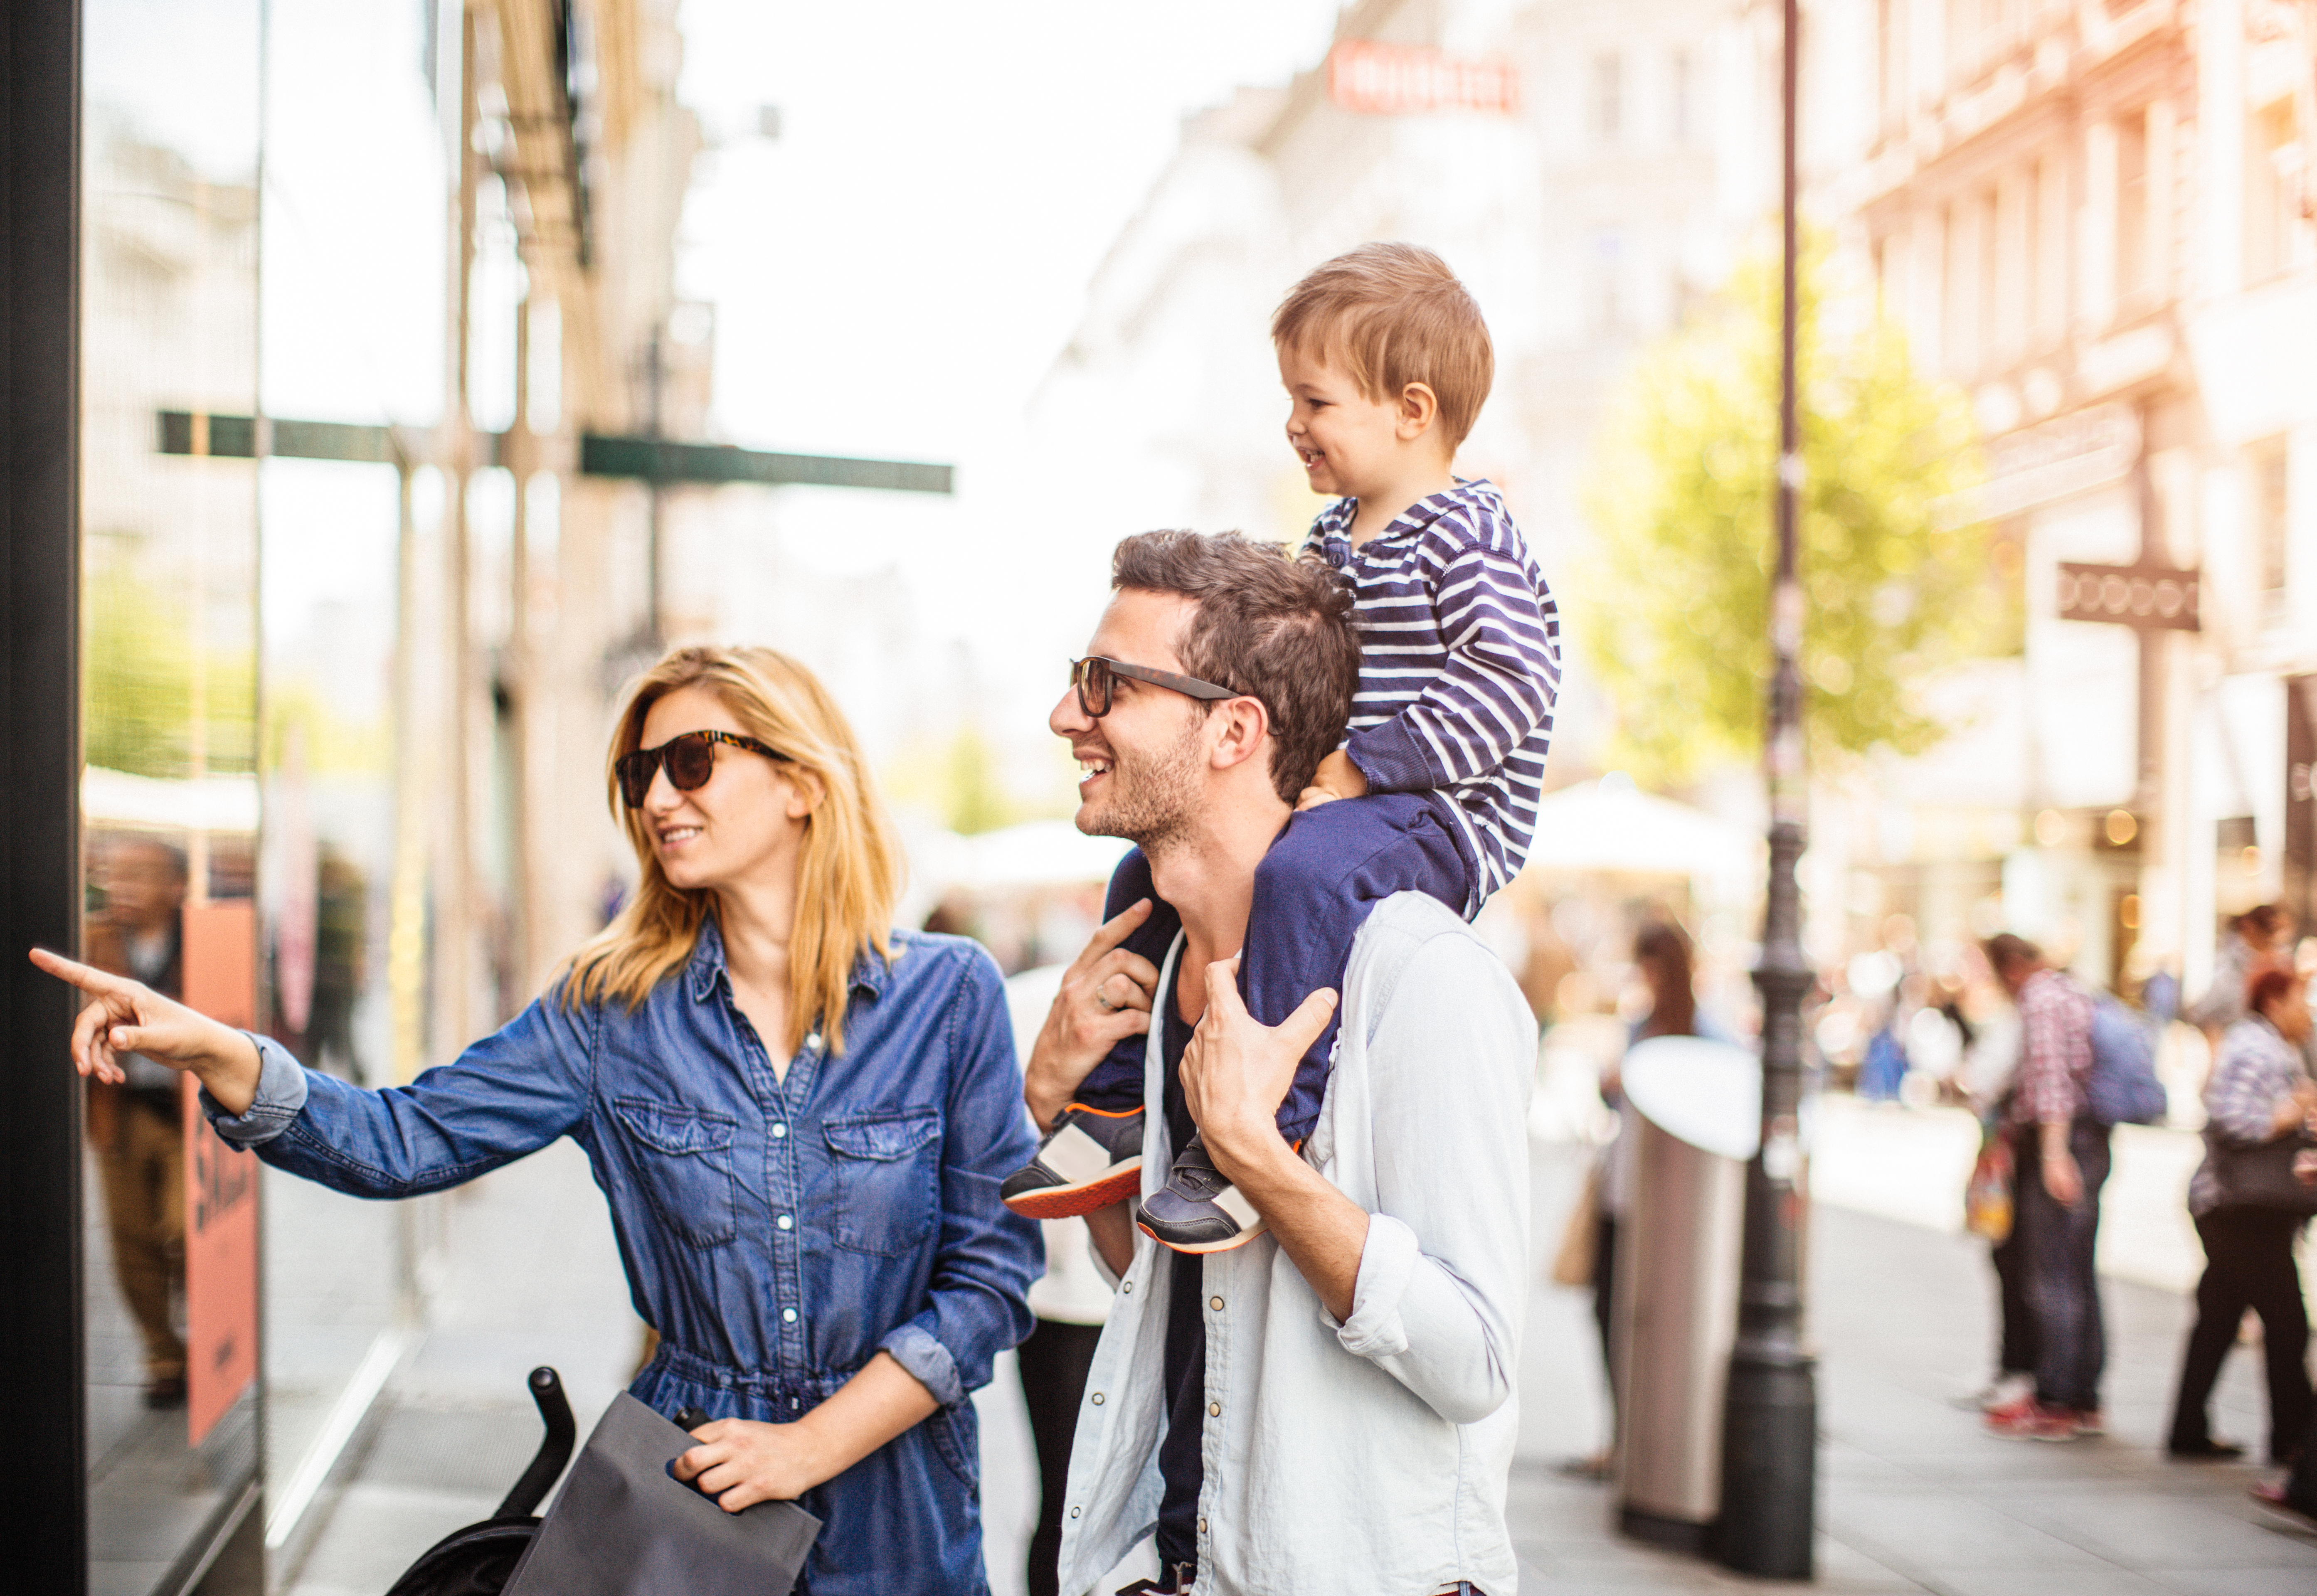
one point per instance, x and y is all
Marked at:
(683, 1158)
(888, 1182)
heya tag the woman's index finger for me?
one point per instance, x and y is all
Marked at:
(87, 976)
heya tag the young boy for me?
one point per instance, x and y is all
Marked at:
(1386, 362)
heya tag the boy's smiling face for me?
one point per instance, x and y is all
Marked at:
(1350, 444)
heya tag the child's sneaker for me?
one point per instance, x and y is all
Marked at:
(1091, 1159)
(1198, 1210)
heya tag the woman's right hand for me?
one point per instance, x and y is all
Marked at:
(1105, 998)
(126, 1016)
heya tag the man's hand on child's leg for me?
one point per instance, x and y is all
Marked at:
(1105, 998)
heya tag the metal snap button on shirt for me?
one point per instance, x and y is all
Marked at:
(785, 1222)
(1097, 1399)
(778, 1131)
(813, 1042)
(1215, 1303)
(788, 1316)
(1214, 1409)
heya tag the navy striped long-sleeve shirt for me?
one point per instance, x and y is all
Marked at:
(1460, 664)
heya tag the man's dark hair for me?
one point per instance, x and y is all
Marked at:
(1274, 629)
(1666, 945)
(2263, 920)
(2005, 951)
(2268, 985)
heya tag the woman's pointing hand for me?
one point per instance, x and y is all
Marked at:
(126, 1016)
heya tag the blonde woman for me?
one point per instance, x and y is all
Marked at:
(799, 1118)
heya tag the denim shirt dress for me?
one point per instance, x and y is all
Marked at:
(779, 1233)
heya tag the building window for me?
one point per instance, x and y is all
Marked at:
(2033, 310)
(1685, 91)
(2134, 269)
(1608, 99)
(2006, 590)
(1886, 62)
(2265, 463)
(1993, 313)
(1608, 304)
(1957, 320)
(2273, 180)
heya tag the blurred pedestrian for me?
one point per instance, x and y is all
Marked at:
(1070, 1301)
(137, 1126)
(2258, 1093)
(2159, 994)
(798, 1115)
(2256, 938)
(1990, 1065)
(2059, 1154)
(1666, 961)
(2296, 1493)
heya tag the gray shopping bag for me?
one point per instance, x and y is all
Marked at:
(625, 1526)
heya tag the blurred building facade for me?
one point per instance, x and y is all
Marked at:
(2095, 219)
(1611, 185)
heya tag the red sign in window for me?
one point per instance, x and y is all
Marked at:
(221, 1182)
(1398, 79)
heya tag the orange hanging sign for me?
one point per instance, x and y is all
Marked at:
(221, 976)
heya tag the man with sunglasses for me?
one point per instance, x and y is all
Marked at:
(1328, 1405)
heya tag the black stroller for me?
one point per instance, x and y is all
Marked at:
(480, 1560)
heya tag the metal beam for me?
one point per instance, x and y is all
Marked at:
(657, 459)
(44, 1511)
(644, 459)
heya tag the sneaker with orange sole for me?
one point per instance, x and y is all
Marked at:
(1090, 1159)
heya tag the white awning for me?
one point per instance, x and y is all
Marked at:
(211, 804)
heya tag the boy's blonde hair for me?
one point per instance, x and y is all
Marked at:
(848, 880)
(1393, 314)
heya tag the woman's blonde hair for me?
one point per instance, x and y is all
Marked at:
(847, 880)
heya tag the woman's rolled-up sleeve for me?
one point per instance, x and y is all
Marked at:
(509, 1095)
(977, 1301)
(1444, 1273)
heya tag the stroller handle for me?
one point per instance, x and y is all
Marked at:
(554, 1447)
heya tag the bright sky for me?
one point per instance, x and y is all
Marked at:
(895, 273)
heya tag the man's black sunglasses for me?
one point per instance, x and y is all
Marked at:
(1095, 676)
(689, 758)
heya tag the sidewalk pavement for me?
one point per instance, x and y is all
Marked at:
(1913, 1497)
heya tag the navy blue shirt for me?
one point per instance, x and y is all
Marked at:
(1186, 1341)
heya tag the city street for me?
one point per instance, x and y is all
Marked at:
(1913, 1497)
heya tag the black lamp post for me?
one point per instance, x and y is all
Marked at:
(1769, 1440)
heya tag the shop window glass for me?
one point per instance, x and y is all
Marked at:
(170, 799)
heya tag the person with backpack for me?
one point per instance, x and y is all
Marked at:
(2059, 1151)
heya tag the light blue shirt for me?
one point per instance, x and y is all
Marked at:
(1372, 1453)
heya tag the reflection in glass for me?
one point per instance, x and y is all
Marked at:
(169, 797)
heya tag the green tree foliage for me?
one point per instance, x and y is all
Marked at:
(139, 684)
(1682, 502)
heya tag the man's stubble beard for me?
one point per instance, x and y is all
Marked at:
(1157, 793)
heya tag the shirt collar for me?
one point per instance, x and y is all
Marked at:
(1333, 525)
(870, 973)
